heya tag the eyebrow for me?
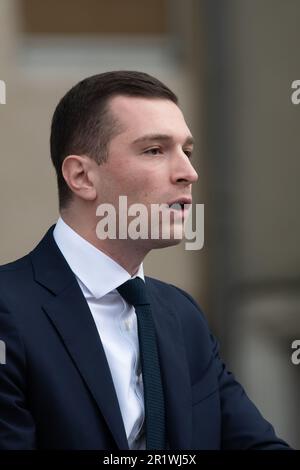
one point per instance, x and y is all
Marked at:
(163, 137)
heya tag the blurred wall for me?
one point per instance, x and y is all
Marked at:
(252, 142)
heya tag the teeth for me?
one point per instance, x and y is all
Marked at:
(176, 206)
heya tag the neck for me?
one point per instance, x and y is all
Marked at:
(127, 253)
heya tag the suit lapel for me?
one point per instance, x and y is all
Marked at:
(174, 367)
(70, 314)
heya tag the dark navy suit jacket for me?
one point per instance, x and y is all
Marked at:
(56, 390)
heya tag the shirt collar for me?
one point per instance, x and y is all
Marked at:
(98, 272)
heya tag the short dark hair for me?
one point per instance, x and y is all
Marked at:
(83, 124)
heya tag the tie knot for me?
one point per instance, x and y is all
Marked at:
(134, 292)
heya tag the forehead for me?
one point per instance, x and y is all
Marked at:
(138, 115)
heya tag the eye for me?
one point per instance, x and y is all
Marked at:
(153, 151)
(188, 153)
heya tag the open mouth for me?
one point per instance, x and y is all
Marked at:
(180, 210)
(177, 206)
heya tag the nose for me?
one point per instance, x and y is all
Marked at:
(183, 170)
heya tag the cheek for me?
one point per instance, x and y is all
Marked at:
(139, 182)
(135, 181)
(144, 188)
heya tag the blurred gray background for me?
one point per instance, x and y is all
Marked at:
(232, 63)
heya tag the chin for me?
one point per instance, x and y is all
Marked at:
(164, 243)
(174, 235)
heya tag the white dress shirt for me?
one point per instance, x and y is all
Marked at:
(98, 276)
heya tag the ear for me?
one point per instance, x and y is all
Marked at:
(77, 171)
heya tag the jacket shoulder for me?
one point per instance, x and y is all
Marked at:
(15, 266)
(161, 287)
(178, 299)
(14, 277)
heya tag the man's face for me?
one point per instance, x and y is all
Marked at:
(148, 161)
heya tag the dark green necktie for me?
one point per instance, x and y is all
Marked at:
(134, 292)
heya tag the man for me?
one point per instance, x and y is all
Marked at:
(86, 368)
